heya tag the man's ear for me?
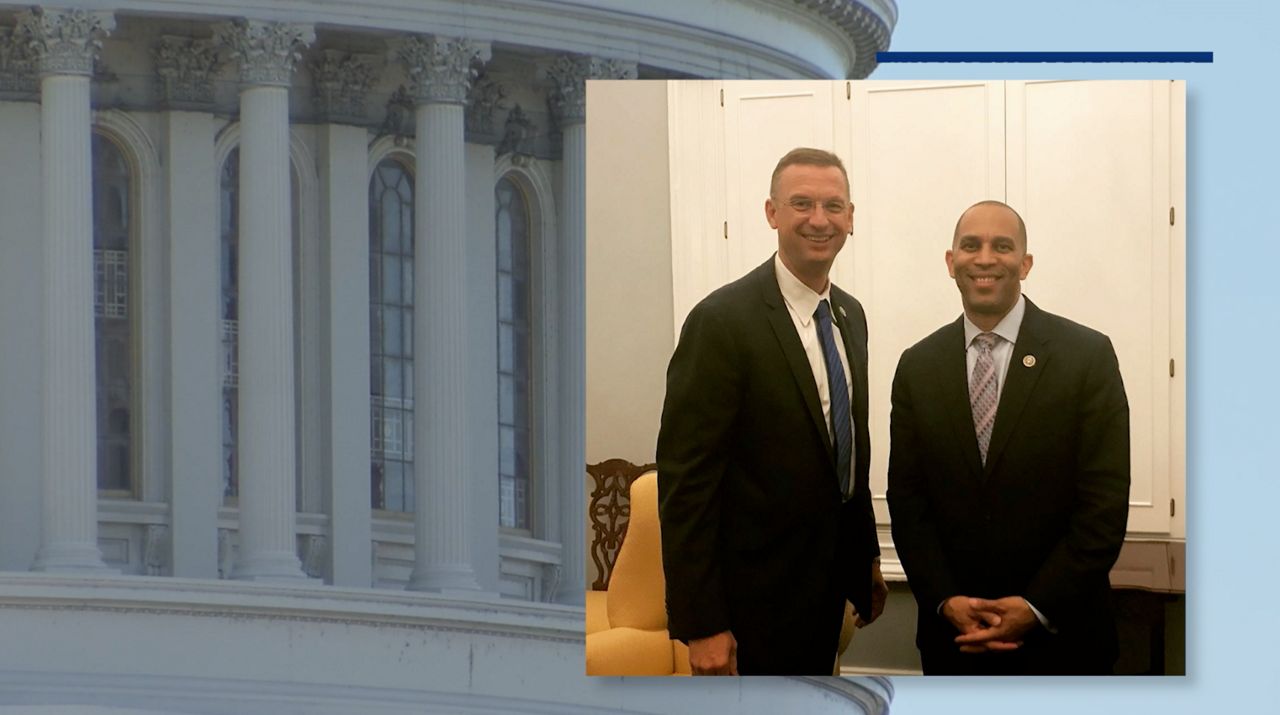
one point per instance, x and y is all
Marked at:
(771, 212)
(951, 271)
(1025, 268)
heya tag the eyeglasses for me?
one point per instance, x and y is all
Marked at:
(803, 205)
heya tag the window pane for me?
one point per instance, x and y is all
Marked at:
(230, 479)
(391, 230)
(391, 279)
(408, 434)
(375, 331)
(406, 393)
(407, 341)
(391, 338)
(506, 400)
(395, 486)
(407, 266)
(504, 296)
(506, 502)
(506, 361)
(391, 372)
(521, 503)
(507, 450)
(504, 239)
(377, 484)
(375, 278)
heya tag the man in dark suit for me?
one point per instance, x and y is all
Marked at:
(764, 505)
(1008, 472)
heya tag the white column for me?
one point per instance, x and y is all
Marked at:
(342, 81)
(266, 52)
(441, 71)
(186, 68)
(568, 103)
(21, 377)
(65, 44)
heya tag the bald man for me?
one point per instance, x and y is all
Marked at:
(1008, 472)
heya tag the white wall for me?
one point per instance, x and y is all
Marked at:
(629, 324)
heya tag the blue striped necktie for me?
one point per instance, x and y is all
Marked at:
(841, 420)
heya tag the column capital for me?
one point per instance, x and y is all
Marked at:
(17, 69)
(185, 69)
(266, 52)
(64, 42)
(569, 75)
(340, 83)
(441, 68)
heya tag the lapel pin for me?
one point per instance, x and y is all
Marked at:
(842, 313)
(1029, 360)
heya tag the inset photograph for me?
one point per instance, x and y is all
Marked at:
(886, 377)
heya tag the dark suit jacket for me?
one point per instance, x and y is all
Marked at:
(1044, 519)
(755, 538)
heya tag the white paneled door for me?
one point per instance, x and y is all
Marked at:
(1095, 168)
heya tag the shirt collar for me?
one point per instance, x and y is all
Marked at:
(1007, 328)
(798, 296)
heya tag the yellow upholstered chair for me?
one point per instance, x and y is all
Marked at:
(627, 624)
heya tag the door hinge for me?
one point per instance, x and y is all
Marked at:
(726, 230)
(1170, 215)
(1170, 367)
(848, 90)
(721, 96)
(1172, 510)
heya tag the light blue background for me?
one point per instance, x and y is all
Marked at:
(1233, 329)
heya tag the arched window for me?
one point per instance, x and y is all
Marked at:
(229, 223)
(113, 316)
(391, 336)
(514, 358)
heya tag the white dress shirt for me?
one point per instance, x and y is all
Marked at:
(801, 303)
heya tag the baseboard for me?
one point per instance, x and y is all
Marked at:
(866, 670)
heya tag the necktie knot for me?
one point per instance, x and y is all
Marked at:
(823, 313)
(986, 341)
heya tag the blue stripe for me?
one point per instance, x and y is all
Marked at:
(990, 57)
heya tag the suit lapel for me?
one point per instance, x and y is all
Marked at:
(953, 392)
(784, 330)
(1032, 347)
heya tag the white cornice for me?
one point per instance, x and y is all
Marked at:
(728, 39)
(304, 602)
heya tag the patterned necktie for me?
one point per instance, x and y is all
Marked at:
(984, 391)
(836, 387)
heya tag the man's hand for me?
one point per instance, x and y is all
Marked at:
(879, 592)
(963, 613)
(714, 655)
(1006, 621)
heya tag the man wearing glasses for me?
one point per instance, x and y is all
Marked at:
(763, 450)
